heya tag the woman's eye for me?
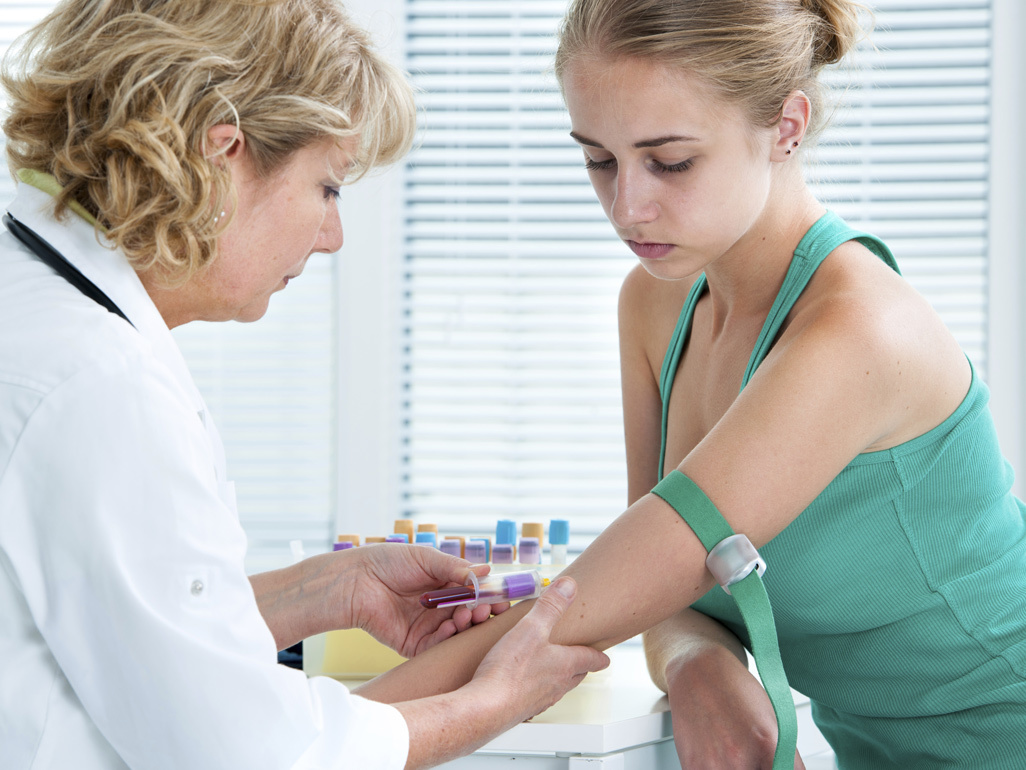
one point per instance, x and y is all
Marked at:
(598, 165)
(672, 168)
(332, 192)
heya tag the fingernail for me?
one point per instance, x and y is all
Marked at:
(565, 587)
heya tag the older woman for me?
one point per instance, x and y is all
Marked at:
(180, 160)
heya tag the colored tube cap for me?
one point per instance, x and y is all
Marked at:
(530, 550)
(477, 551)
(559, 532)
(520, 584)
(502, 553)
(451, 547)
(506, 531)
(487, 546)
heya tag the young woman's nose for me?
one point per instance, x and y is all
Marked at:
(634, 202)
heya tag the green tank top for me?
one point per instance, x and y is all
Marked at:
(900, 593)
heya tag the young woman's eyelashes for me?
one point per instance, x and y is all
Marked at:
(332, 192)
(655, 165)
(598, 165)
(672, 168)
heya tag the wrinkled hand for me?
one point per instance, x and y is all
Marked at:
(722, 717)
(385, 596)
(529, 672)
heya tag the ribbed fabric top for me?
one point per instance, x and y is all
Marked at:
(900, 592)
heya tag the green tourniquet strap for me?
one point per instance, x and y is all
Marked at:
(699, 513)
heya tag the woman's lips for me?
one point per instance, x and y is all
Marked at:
(650, 250)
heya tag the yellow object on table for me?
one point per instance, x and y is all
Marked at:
(348, 654)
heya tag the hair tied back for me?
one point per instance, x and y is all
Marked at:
(840, 29)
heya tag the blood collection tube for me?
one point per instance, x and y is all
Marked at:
(490, 589)
(530, 550)
(450, 546)
(476, 551)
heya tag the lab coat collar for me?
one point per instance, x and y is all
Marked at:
(94, 255)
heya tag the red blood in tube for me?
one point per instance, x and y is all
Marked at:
(454, 595)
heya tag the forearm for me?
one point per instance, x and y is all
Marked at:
(683, 638)
(447, 726)
(446, 666)
(293, 600)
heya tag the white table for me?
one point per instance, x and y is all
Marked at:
(614, 720)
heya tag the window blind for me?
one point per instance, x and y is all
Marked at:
(509, 364)
(271, 387)
(15, 18)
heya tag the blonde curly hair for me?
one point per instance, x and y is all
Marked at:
(114, 98)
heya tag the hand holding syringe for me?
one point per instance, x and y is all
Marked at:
(490, 589)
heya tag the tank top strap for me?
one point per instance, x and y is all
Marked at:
(671, 361)
(825, 235)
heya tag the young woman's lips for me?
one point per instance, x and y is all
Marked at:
(650, 250)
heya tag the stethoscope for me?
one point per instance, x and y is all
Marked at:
(50, 256)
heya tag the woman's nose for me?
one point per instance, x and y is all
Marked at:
(634, 202)
(330, 238)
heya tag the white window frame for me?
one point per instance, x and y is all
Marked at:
(369, 281)
(1007, 234)
(369, 406)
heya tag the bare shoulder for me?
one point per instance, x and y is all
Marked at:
(860, 313)
(649, 306)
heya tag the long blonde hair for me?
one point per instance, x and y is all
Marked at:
(114, 98)
(754, 52)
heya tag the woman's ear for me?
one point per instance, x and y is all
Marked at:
(224, 141)
(793, 123)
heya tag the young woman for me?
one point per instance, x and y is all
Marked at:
(778, 370)
(180, 160)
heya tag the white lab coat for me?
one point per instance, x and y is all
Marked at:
(129, 633)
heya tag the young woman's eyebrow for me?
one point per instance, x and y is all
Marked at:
(644, 143)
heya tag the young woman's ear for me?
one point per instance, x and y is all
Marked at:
(793, 123)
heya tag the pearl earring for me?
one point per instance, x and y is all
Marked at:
(218, 217)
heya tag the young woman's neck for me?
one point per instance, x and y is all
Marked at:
(746, 279)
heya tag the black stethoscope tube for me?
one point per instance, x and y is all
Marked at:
(49, 255)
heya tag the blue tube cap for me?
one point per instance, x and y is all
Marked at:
(559, 532)
(506, 531)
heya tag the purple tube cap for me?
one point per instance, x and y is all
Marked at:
(519, 584)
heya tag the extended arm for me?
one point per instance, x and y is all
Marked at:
(607, 575)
